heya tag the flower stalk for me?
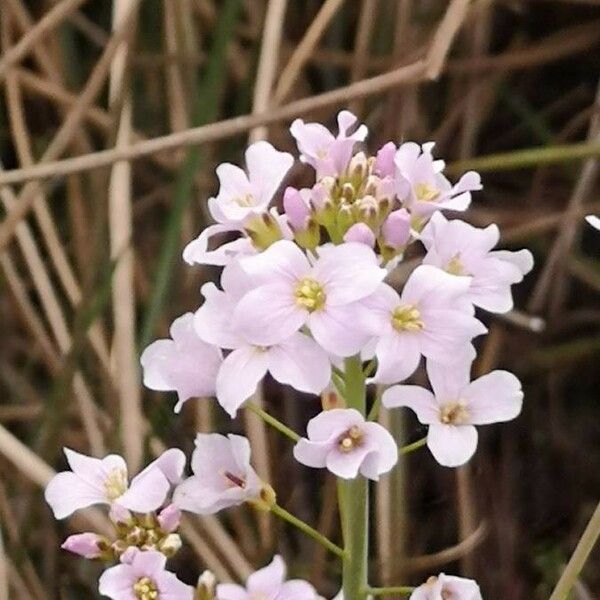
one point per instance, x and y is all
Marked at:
(353, 497)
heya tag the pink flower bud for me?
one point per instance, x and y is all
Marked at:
(119, 515)
(88, 545)
(296, 208)
(169, 518)
(396, 229)
(384, 163)
(360, 233)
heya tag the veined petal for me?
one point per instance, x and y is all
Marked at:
(398, 357)
(266, 582)
(231, 591)
(281, 262)
(147, 491)
(239, 376)
(266, 169)
(197, 252)
(67, 493)
(449, 381)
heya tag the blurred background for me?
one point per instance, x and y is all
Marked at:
(91, 269)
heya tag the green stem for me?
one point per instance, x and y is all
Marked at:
(272, 421)
(530, 157)
(412, 447)
(580, 555)
(307, 529)
(388, 591)
(354, 500)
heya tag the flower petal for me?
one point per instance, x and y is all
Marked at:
(231, 591)
(398, 356)
(282, 261)
(301, 363)
(452, 445)
(266, 582)
(147, 491)
(418, 399)
(67, 493)
(239, 376)
(493, 398)
(266, 169)
(117, 582)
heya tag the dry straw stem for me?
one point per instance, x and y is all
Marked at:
(268, 62)
(70, 126)
(3, 570)
(305, 49)
(49, 21)
(125, 367)
(42, 213)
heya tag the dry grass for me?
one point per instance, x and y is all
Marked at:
(111, 123)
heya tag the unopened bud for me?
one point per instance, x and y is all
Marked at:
(310, 237)
(120, 516)
(88, 545)
(358, 166)
(170, 545)
(348, 192)
(396, 229)
(384, 163)
(330, 399)
(361, 233)
(169, 518)
(136, 536)
(296, 208)
(263, 230)
(368, 210)
(345, 218)
(206, 588)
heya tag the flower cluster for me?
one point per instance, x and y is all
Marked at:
(303, 294)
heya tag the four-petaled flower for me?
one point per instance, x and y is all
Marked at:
(104, 481)
(268, 583)
(143, 577)
(324, 295)
(457, 405)
(222, 475)
(342, 441)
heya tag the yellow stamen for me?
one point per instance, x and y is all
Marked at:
(351, 439)
(115, 484)
(145, 589)
(454, 413)
(407, 318)
(455, 266)
(426, 192)
(310, 295)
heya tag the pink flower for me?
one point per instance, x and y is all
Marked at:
(342, 441)
(184, 363)
(297, 360)
(456, 405)
(324, 295)
(421, 186)
(104, 481)
(429, 318)
(222, 475)
(296, 204)
(328, 155)
(395, 231)
(146, 578)
(269, 584)
(244, 194)
(447, 587)
(461, 249)
(384, 162)
(87, 545)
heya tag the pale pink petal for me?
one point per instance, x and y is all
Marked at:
(494, 397)
(239, 376)
(452, 445)
(266, 582)
(117, 582)
(360, 233)
(594, 221)
(83, 544)
(231, 591)
(348, 272)
(331, 423)
(469, 182)
(147, 492)
(171, 463)
(346, 464)
(460, 588)
(171, 588)
(282, 261)
(337, 329)
(384, 454)
(418, 399)
(296, 589)
(197, 252)
(435, 286)
(301, 363)
(66, 493)
(449, 381)
(269, 315)
(312, 454)
(169, 518)
(522, 259)
(384, 163)
(398, 357)
(153, 355)
(266, 169)
(213, 320)
(94, 470)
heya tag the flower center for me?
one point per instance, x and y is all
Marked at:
(425, 192)
(351, 439)
(145, 589)
(454, 413)
(455, 266)
(245, 201)
(115, 484)
(234, 480)
(407, 318)
(310, 295)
